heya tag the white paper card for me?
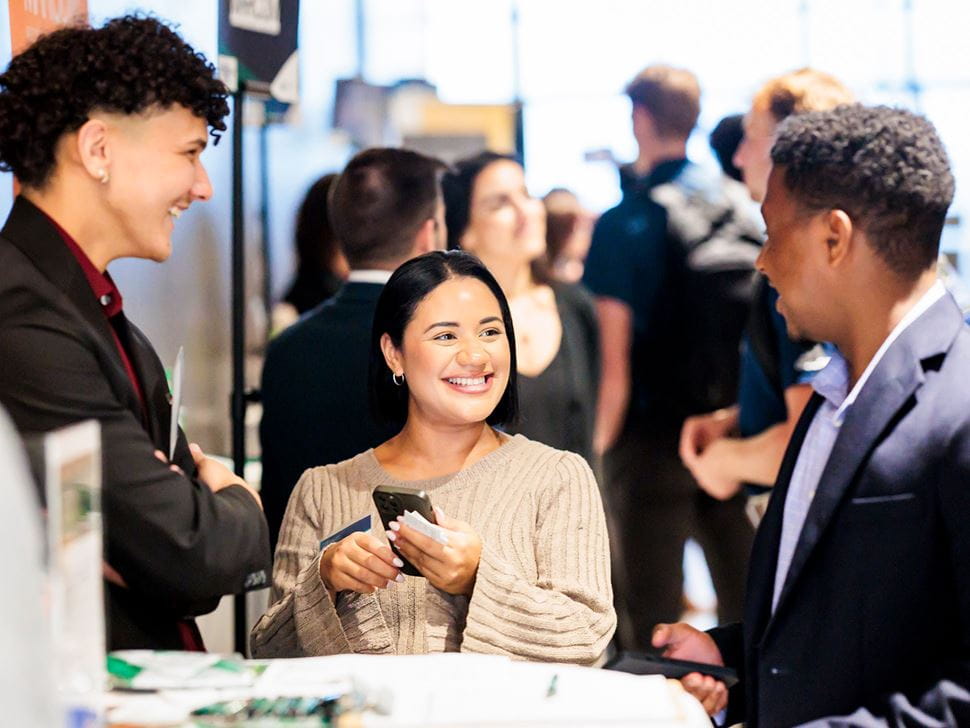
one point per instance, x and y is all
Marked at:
(420, 524)
(259, 16)
(177, 375)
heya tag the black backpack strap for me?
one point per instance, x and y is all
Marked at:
(761, 335)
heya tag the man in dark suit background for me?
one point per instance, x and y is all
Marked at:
(104, 129)
(859, 589)
(386, 208)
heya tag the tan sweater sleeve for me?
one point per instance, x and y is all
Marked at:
(566, 614)
(302, 618)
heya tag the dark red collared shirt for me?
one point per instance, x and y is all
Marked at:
(109, 297)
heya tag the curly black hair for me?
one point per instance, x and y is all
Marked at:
(884, 167)
(126, 66)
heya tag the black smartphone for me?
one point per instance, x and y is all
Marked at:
(392, 502)
(638, 663)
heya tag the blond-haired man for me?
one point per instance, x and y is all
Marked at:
(744, 443)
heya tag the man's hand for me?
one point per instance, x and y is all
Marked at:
(710, 470)
(216, 475)
(702, 447)
(451, 567)
(111, 575)
(359, 563)
(682, 642)
(700, 431)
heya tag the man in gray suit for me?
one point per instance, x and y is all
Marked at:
(386, 208)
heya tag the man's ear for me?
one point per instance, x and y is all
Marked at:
(426, 238)
(838, 236)
(643, 124)
(392, 356)
(93, 149)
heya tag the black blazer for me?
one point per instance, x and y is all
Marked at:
(877, 597)
(178, 545)
(314, 394)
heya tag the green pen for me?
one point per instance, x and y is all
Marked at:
(552, 686)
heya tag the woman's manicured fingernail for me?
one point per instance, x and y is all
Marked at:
(389, 584)
(397, 562)
(391, 535)
(399, 578)
(395, 526)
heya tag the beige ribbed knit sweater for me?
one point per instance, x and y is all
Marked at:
(543, 586)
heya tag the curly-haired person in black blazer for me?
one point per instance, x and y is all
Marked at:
(104, 129)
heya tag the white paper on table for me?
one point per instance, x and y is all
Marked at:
(163, 670)
(311, 676)
(456, 689)
(173, 428)
(583, 696)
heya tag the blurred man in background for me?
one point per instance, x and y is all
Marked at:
(385, 208)
(672, 269)
(744, 443)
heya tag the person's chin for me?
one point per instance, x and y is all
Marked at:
(160, 253)
(473, 413)
(792, 328)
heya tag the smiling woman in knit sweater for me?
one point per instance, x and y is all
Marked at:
(525, 570)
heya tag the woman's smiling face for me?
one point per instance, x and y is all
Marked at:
(454, 354)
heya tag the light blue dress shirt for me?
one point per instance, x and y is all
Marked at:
(832, 383)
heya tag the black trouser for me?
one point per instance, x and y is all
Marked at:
(654, 505)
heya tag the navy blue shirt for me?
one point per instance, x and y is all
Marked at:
(761, 402)
(627, 261)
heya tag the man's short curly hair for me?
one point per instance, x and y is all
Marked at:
(886, 168)
(127, 66)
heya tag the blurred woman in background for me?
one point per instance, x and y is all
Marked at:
(321, 267)
(489, 212)
(569, 231)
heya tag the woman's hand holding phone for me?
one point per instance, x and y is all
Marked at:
(451, 567)
(359, 563)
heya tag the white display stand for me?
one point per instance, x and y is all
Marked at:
(72, 474)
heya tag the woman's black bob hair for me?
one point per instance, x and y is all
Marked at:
(407, 287)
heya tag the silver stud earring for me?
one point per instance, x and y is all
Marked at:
(398, 379)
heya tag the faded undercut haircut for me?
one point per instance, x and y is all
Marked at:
(131, 65)
(885, 168)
